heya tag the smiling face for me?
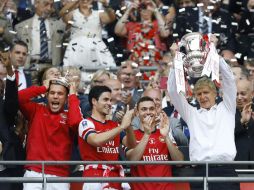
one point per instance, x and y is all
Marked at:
(56, 96)
(205, 97)
(244, 93)
(103, 104)
(145, 109)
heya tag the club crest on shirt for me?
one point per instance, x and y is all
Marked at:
(63, 118)
(63, 115)
(162, 139)
(151, 141)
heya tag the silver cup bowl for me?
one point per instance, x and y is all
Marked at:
(196, 54)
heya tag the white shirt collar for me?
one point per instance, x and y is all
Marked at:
(20, 69)
(214, 107)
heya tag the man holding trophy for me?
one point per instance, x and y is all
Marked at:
(212, 125)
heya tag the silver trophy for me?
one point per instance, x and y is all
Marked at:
(196, 52)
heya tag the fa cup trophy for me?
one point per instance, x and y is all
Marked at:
(196, 50)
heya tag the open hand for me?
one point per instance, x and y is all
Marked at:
(147, 124)
(164, 124)
(127, 118)
(246, 113)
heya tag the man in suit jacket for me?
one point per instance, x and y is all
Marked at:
(12, 146)
(244, 123)
(117, 104)
(29, 32)
(18, 57)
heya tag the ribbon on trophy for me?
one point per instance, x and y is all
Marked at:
(179, 72)
(211, 65)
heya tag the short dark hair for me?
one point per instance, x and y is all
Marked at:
(18, 42)
(144, 99)
(96, 92)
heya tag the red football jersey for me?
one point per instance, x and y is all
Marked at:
(106, 152)
(156, 149)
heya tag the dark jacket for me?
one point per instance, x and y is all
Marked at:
(244, 140)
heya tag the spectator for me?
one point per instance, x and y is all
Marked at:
(99, 139)
(212, 126)
(99, 77)
(165, 64)
(128, 76)
(156, 143)
(118, 107)
(240, 72)
(237, 8)
(51, 129)
(244, 138)
(201, 19)
(112, 41)
(86, 47)
(186, 3)
(245, 33)
(229, 57)
(25, 10)
(11, 146)
(144, 35)
(249, 65)
(48, 74)
(6, 7)
(45, 46)
(18, 55)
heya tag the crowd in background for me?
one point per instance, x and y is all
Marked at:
(121, 47)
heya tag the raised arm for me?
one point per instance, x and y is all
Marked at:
(228, 86)
(108, 15)
(11, 91)
(66, 11)
(162, 26)
(120, 28)
(27, 94)
(178, 100)
(74, 111)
